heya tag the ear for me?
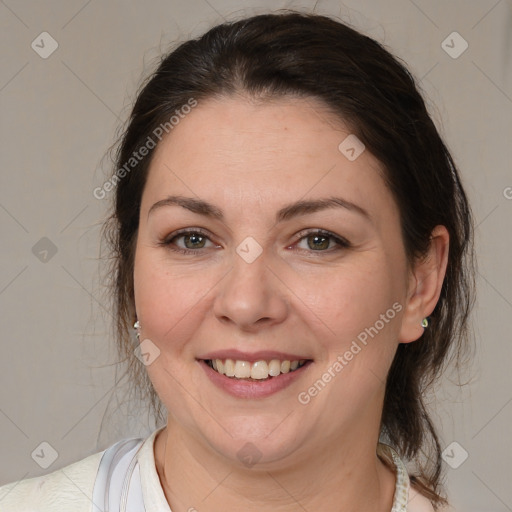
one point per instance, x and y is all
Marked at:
(425, 283)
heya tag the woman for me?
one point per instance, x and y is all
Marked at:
(293, 246)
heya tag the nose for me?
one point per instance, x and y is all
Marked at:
(251, 297)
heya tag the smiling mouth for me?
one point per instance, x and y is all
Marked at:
(259, 370)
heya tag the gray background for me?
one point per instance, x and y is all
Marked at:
(59, 116)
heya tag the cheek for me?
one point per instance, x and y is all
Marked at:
(352, 299)
(165, 298)
(169, 303)
(364, 313)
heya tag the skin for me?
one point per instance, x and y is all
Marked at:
(250, 159)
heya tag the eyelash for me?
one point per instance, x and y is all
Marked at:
(341, 242)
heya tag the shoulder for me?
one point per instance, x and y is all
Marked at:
(418, 503)
(70, 487)
(407, 498)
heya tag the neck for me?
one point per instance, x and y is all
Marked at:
(194, 477)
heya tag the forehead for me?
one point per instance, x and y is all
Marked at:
(238, 129)
(236, 151)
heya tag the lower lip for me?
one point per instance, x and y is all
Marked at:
(253, 388)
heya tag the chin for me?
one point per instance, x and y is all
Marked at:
(258, 444)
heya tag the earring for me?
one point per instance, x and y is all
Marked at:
(424, 323)
(136, 326)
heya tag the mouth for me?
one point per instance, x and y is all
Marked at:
(261, 370)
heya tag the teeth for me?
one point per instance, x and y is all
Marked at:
(258, 370)
(229, 367)
(274, 368)
(242, 369)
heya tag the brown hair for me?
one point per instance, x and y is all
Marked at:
(308, 55)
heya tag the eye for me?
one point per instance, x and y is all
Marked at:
(187, 241)
(321, 241)
(191, 241)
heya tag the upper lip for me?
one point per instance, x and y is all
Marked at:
(262, 355)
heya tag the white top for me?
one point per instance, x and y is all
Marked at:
(123, 478)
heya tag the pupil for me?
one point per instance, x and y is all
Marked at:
(322, 245)
(194, 238)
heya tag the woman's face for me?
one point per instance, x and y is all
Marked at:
(244, 189)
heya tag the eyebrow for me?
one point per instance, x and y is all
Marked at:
(296, 209)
